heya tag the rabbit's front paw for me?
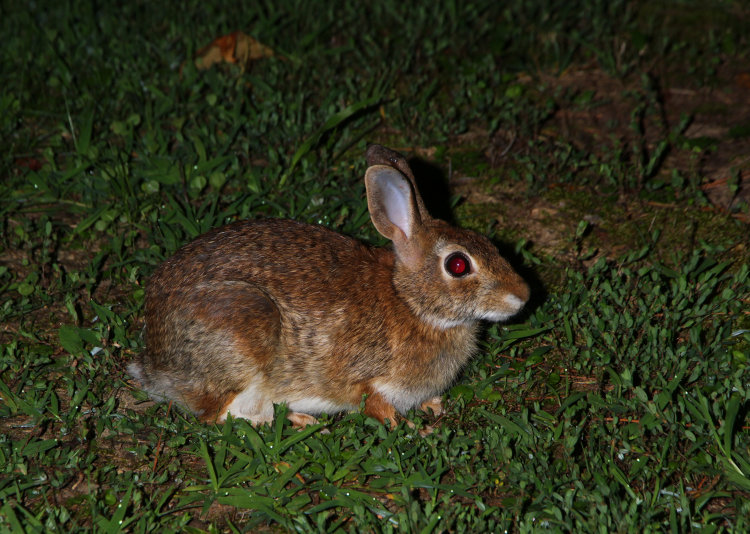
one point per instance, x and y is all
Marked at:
(301, 420)
(435, 404)
(376, 406)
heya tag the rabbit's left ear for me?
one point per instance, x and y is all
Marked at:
(380, 155)
(393, 209)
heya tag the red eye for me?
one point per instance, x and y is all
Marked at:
(457, 265)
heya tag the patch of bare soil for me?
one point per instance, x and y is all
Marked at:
(707, 136)
(714, 144)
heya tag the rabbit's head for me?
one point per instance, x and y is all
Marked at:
(448, 276)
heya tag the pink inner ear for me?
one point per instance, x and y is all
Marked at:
(396, 197)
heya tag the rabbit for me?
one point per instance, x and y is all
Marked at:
(270, 311)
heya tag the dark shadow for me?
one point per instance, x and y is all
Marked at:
(433, 186)
(538, 290)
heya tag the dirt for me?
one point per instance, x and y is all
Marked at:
(707, 131)
(714, 142)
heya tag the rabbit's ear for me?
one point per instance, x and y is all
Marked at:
(392, 206)
(380, 155)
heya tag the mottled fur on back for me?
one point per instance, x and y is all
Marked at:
(270, 311)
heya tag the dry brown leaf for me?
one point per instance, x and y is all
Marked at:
(33, 164)
(743, 79)
(237, 47)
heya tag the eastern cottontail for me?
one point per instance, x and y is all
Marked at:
(270, 311)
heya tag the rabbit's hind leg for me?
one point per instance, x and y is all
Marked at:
(252, 404)
(211, 349)
(253, 322)
(256, 406)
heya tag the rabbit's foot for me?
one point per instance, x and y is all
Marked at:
(301, 420)
(426, 430)
(250, 404)
(376, 406)
(435, 404)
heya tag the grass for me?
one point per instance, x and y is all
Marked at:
(618, 403)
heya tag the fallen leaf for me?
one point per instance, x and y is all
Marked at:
(30, 163)
(743, 79)
(237, 48)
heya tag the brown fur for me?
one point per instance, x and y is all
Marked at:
(376, 406)
(290, 312)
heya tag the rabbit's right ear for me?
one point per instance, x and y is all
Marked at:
(393, 209)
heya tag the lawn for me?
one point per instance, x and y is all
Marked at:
(603, 145)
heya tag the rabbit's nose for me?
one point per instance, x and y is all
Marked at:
(522, 292)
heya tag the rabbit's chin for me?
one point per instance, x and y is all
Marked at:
(445, 323)
(496, 316)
